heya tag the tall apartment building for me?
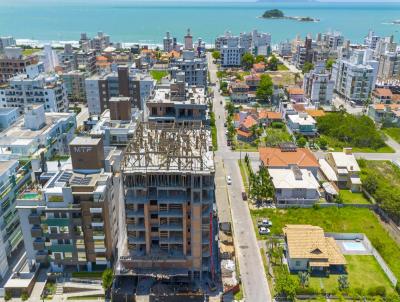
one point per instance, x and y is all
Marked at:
(389, 66)
(318, 86)
(70, 219)
(12, 62)
(355, 77)
(188, 40)
(169, 195)
(100, 88)
(178, 103)
(74, 82)
(6, 42)
(35, 87)
(195, 68)
(13, 176)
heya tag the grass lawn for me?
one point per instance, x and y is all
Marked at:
(393, 133)
(282, 67)
(349, 197)
(244, 173)
(363, 272)
(29, 51)
(158, 74)
(338, 146)
(347, 220)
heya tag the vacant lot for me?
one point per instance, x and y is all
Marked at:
(347, 220)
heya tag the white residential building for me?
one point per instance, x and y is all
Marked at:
(38, 129)
(317, 85)
(294, 186)
(195, 68)
(12, 177)
(34, 87)
(355, 77)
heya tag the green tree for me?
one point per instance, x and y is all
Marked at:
(329, 63)
(107, 278)
(260, 58)
(216, 55)
(307, 67)
(301, 142)
(343, 282)
(247, 61)
(304, 278)
(273, 63)
(265, 89)
(286, 285)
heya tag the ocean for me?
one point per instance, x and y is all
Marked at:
(147, 22)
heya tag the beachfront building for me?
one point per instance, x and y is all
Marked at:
(13, 176)
(355, 77)
(35, 87)
(100, 88)
(177, 102)
(117, 125)
(74, 82)
(13, 62)
(169, 196)
(232, 52)
(309, 249)
(195, 68)
(317, 86)
(38, 129)
(294, 186)
(7, 42)
(70, 219)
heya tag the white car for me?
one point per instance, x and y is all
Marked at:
(264, 231)
(265, 222)
(228, 180)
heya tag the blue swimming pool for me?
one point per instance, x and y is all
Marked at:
(354, 246)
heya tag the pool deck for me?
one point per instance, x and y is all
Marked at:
(346, 251)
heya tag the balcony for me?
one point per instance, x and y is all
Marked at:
(136, 227)
(38, 245)
(34, 218)
(170, 213)
(36, 232)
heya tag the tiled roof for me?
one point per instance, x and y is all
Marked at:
(275, 157)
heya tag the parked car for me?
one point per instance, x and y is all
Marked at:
(264, 231)
(228, 180)
(244, 196)
(265, 222)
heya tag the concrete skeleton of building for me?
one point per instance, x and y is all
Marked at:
(177, 102)
(355, 78)
(38, 129)
(318, 86)
(100, 88)
(71, 220)
(169, 196)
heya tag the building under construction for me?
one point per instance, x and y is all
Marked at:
(168, 176)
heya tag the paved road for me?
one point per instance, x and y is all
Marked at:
(250, 262)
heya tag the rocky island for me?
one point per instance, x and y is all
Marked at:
(278, 14)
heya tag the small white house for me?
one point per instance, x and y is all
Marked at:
(294, 186)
